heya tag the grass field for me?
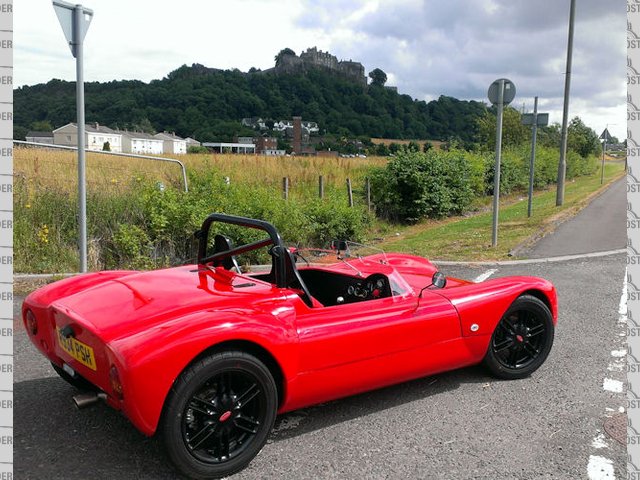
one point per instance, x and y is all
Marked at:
(59, 168)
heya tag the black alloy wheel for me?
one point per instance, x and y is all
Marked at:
(522, 339)
(219, 415)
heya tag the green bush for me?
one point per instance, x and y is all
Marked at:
(415, 185)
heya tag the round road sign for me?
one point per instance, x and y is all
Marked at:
(509, 91)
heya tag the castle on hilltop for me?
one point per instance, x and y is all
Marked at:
(314, 58)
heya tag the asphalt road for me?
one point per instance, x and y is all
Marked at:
(462, 424)
(601, 226)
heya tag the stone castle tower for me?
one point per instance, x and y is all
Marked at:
(314, 58)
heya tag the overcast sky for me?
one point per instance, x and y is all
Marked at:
(427, 48)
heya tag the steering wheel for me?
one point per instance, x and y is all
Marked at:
(377, 286)
(373, 287)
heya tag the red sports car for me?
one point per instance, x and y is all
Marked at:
(206, 356)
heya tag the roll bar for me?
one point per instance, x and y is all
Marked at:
(278, 251)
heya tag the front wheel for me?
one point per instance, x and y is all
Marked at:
(219, 414)
(522, 339)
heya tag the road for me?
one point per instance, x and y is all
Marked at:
(601, 226)
(462, 424)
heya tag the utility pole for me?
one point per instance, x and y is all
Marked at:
(562, 165)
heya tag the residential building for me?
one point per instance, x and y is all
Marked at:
(40, 137)
(141, 143)
(192, 142)
(274, 153)
(96, 136)
(222, 147)
(244, 140)
(256, 123)
(264, 144)
(172, 143)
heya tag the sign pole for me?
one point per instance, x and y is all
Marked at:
(604, 149)
(82, 181)
(501, 93)
(75, 20)
(496, 174)
(534, 133)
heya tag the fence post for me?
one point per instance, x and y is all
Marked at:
(285, 188)
(321, 186)
(349, 192)
(368, 189)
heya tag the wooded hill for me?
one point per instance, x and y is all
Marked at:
(208, 104)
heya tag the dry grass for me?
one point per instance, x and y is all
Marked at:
(44, 167)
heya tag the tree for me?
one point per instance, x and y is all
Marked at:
(282, 53)
(19, 133)
(513, 132)
(144, 125)
(413, 146)
(582, 139)
(378, 77)
(42, 126)
(427, 146)
(106, 147)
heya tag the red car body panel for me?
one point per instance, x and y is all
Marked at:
(152, 325)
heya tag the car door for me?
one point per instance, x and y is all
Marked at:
(357, 332)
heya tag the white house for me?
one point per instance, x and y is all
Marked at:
(192, 142)
(140, 142)
(172, 143)
(96, 136)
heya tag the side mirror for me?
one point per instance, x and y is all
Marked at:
(439, 280)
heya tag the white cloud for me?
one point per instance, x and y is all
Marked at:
(426, 47)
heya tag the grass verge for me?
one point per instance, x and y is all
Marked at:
(469, 238)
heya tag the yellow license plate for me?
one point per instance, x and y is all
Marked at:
(78, 350)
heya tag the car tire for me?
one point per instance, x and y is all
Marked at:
(522, 339)
(218, 414)
(79, 382)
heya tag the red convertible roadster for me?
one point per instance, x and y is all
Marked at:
(206, 356)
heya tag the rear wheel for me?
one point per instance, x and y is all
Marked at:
(522, 339)
(219, 414)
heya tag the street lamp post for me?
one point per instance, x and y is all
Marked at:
(562, 164)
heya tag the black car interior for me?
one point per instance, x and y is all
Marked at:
(315, 287)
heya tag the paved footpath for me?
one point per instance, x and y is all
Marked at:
(601, 226)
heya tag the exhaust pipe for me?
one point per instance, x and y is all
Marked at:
(84, 400)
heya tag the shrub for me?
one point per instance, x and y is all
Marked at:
(197, 149)
(416, 185)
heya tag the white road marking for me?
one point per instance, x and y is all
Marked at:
(485, 275)
(612, 385)
(622, 309)
(599, 441)
(600, 468)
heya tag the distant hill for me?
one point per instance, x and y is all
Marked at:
(208, 104)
